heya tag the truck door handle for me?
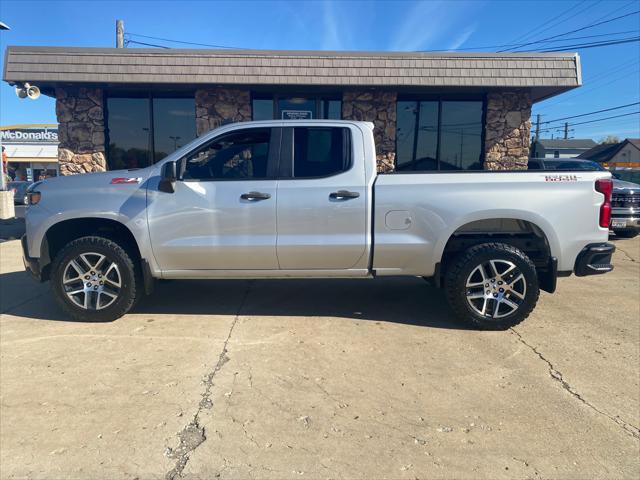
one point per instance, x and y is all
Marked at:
(254, 196)
(343, 195)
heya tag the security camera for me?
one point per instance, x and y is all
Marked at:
(33, 92)
(28, 90)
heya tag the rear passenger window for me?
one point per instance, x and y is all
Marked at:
(320, 151)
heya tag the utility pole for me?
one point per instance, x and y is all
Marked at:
(537, 127)
(566, 130)
(119, 34)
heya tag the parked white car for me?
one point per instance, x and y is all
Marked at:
(299, 199)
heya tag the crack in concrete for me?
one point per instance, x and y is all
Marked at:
(626, 254)
(556, 375)
(193, 434)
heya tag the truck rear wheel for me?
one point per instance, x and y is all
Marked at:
(94, 280)
(493, 286)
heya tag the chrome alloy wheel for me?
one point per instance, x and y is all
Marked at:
(496, 288)
(91, 281)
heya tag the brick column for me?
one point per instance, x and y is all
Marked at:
(80, 113)
(508, 127)
(218, 106)
(378, 107)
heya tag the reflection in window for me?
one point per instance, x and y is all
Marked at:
(237, 155)
(331, 109)
(129, 133)
(460, 136)
(439, 135)
(320, 151)
(174, 124)
(136, 142)
(262, 109)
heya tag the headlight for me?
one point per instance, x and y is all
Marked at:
(34, 197)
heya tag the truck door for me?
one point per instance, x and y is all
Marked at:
(222, 215)
(321, 213)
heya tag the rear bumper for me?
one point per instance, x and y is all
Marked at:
(631, 222)
(31, 265)
(594, 259)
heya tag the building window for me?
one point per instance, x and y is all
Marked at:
(143, 130)
(298, 107)
(439, 135)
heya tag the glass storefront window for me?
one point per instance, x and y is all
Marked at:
(439, 135)
(129, 129)
(262, 109)
(143, 130)
(295, 107)
(174, 124)
(461, 136)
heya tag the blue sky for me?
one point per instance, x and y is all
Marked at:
(611, 75)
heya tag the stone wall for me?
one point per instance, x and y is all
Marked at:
(378, 107)
(508, 127)
(217, 106)
(80, 113)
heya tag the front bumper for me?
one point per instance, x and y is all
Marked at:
(594, 259)
(31, 265)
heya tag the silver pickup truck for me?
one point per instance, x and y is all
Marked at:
(300, 199)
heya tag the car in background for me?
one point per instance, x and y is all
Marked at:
(625, 202)
(19, 190)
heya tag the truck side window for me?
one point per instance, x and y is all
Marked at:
(320, 151)
(242, 154)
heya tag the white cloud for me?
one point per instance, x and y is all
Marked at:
(462, 38)
(429, 22)
(331, 39)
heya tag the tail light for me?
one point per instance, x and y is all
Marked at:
(605, 187)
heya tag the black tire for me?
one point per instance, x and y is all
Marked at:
(130, 279)
(626, 233)
(466, 266)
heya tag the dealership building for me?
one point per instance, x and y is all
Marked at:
(128, 108)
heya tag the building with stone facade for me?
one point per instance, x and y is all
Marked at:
(127, 108)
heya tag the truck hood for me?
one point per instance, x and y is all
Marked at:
(621, 185)
(97, 180)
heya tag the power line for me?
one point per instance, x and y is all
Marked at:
(596, 84)
(590, 121)
(555, 19)
(592, 113)
(583, 46)
(180, 41)
(576, 30)
(547, 41)
(128, 42)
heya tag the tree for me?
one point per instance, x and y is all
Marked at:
(609, 139)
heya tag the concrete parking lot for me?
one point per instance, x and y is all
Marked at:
(321, 379)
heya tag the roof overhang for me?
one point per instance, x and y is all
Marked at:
(543, 74)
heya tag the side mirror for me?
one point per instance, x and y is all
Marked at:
(168, 178)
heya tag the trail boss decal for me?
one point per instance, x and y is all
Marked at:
(560, 178)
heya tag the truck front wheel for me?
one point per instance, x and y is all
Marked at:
(494, 286)
(94, 279)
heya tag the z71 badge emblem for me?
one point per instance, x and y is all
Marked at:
(124, 180)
